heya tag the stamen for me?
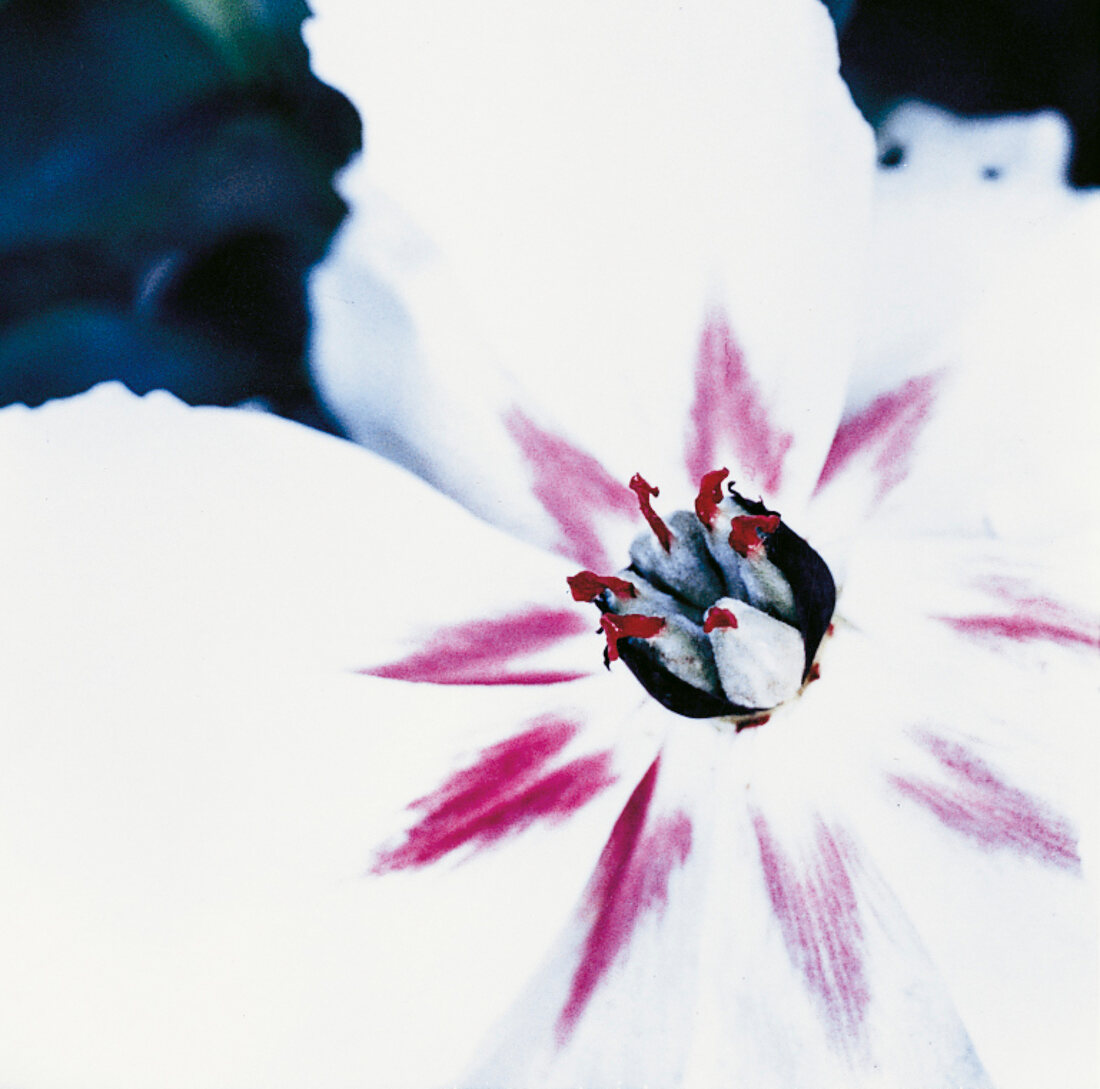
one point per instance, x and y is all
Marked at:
(587, 586)
(644, 490)
(718, 618)
(748, 724)
(744, 539)
(710, 495)
(629, 626)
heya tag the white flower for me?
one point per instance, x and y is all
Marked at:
(237, 650)
(796, 902)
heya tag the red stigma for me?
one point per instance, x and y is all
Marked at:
(587, 586)
(631, 626)
(644, 491)
(710, 495)
(744, 539)
(719, 618)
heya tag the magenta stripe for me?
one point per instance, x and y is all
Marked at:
(506, 790)
(1021, 628)
(728, 414)
(573, 488)
(479, 652)
(631, 880)
(819, 919)
(976, 803)
(888, 429)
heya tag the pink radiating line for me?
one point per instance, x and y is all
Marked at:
(573, 488)
(728, 413)
(480, 651)
(631, 879)
(819, 918)
(1021, 628)
(507, 789)
(982, 807)
(888, 428)
(1033, 617)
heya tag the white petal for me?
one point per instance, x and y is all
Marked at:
(817, 976)
(615, 1002)
(273, 543)
(984, 799)
(1013, 425)
(600, 180)
(970, 197)
(194, 777)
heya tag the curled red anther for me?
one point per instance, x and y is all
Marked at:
(814, 674)
(710, 495)
(749, 723)
(632, 626)
(744, 539)
(587, 586)
(644, 491)
(719, 618)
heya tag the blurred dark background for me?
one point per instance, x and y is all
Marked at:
(166, 172)
(979, 57)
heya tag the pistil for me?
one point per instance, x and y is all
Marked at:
(720, 616)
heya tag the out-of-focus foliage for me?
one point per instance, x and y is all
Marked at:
(166, 177)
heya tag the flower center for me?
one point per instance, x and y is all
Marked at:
(721, 611)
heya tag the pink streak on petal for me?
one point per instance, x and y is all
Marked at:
(480, 652)
(631, 880)
(1020, 628)
(728, 413)
(573, 488)
(819, 919)
(982, 807)
(1032, 617)
(506, 790)
(888, 429)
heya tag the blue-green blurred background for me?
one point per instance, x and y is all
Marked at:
(167, 166)
(166, 176)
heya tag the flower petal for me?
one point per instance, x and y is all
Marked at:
(967, 198)
(614, 1001)
(835, 987)
(1020, 389)
(662, 207)
(984, 797)
(195, 779)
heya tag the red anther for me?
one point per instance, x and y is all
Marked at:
(830, 629)
(587, 586)
(631, 626)
(814, 674)
(719, 618)
(744, 539)
(710, 495)
(644, 490)
(748, 724)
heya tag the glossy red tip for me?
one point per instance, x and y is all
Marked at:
(645, 491)
(587, 586)
(633, 626)
(719, 618)
(710, 495)
(744, 538)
